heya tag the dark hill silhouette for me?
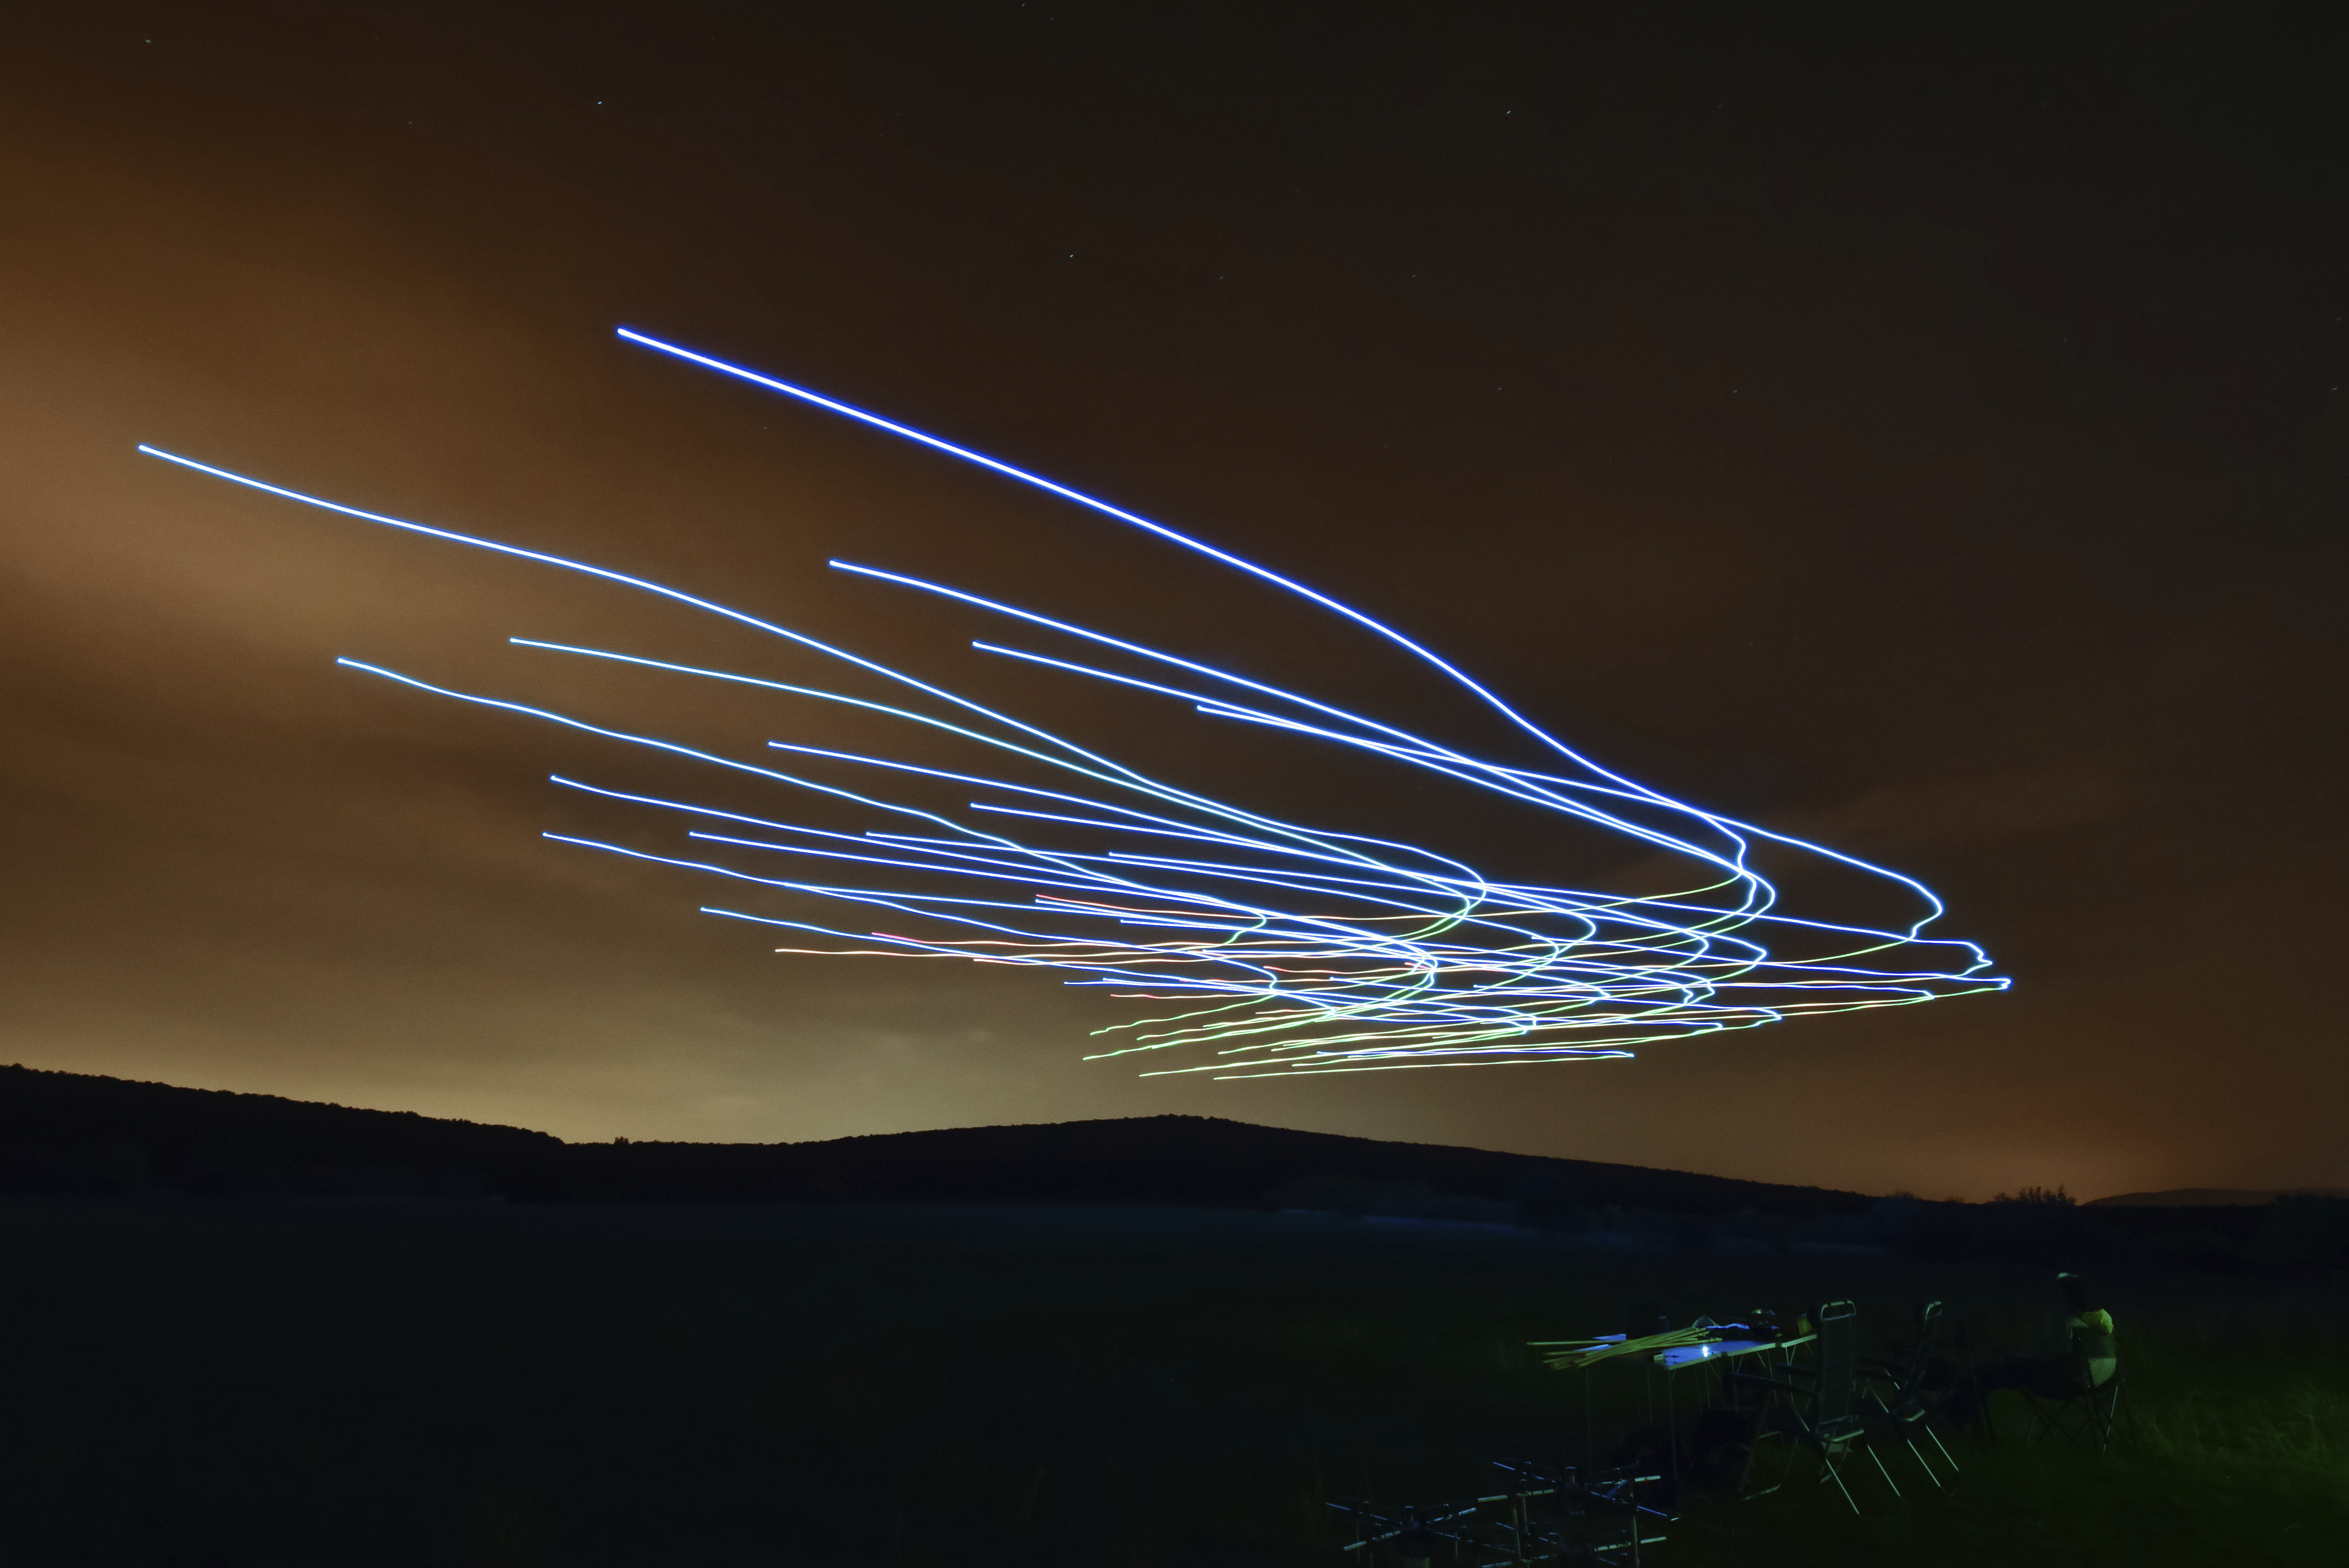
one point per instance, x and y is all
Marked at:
(2212, 1197)
(67, 1132)
(71, 1132)
(1185, 1159)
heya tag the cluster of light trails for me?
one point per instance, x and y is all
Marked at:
(1269, 947)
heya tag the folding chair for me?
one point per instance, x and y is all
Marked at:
(1902, 1367)
(1564, 1513)
(1894, 1403)
(2087, 1420)
(1414, 1534)
(1830, 1428)
(1901, 1422)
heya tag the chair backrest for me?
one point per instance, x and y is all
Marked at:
(1838, 1358)
(1921, 1351)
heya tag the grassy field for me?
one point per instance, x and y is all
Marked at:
(487, 1383)
(2239, 1454)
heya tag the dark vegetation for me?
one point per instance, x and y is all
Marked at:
(252, 1332)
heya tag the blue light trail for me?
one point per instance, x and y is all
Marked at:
(1285, 949)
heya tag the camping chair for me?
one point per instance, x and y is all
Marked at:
(1569, 1513)
(1818, 1412)
(1901, 1370)
(1903, 1422)
(2086, 1420)
(1415, 1535)
(1895, 1402)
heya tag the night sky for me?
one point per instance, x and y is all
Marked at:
(1915, 427)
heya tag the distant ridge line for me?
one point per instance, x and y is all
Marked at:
(71, 1132)
(2212, 1197)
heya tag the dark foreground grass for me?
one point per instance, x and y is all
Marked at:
(2271, 1496)
(486, 1383)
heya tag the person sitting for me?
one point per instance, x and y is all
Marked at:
(2079, 1355)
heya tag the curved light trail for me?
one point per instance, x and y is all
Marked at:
(1269, 947)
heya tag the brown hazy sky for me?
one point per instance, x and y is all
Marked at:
(1919, 430)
